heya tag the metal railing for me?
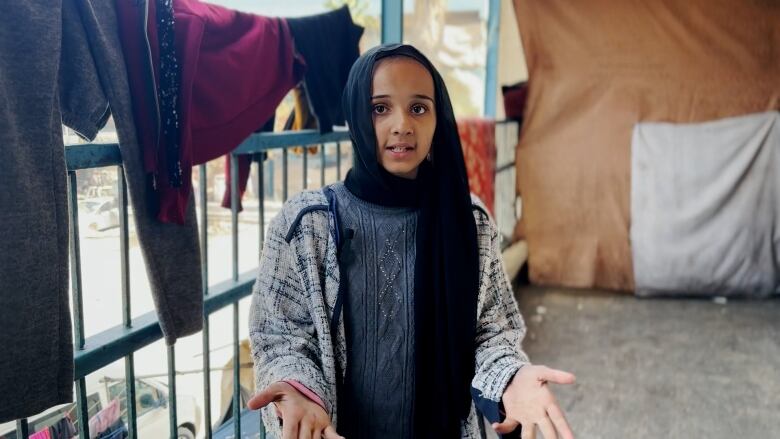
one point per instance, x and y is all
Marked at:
(122, 341)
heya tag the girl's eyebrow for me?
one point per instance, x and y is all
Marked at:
(416, 96)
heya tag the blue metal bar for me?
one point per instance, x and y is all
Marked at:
(322, 165)
(132, 414)
(491, 63)
(204, 272)
(236, 376)
(234, 211)
(284, 175)
(261, 213)
(78, 305)
(96, 155)
(392, 21)
(261, 202)
(338, 161)
(234, 220)
(107, 346)
(207, 375)
(204, 219)
(75, 262)
(271, 169)
(305, 162)
(174, 426)
(22, 429)
(229, 291)
(92, 155)
(124, 238)
(83, 410)
(266, 141)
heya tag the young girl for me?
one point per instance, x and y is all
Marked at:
(383, 299)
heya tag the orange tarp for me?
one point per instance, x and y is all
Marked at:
(598, 67)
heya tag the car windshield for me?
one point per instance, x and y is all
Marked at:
(89, 206)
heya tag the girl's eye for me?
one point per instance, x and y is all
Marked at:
(419, 109)
(380, 109)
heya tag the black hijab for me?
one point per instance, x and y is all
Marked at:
(446, 273)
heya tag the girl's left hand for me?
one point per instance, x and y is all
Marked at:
(529, 402)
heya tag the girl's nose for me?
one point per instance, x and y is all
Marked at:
(402, 125)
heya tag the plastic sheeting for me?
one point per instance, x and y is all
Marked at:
(705, 206)
(598, 68)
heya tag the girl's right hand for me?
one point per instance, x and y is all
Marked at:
(302, 418)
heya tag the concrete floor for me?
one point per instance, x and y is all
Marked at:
(659, 368)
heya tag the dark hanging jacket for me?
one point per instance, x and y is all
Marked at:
(329, 44)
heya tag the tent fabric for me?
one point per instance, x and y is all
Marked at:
(705, 206)
(596, 69)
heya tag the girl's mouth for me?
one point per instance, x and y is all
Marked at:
(400, 147)
(400, 151)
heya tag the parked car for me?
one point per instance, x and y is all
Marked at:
(152, 414)
(98, 214)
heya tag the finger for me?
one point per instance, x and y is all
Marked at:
(304, 432)
(317, 434)
(559, 420)
(546, 426)
(556, 376)
(509, 425)
(330, 433)
(290, 429)
(528, 431)
(266, 396)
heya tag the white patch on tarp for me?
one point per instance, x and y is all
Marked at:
(705, 206)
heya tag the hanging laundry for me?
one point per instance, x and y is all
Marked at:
(168, 92)
(244, 167)
(301, 118)
(41, 47)
(142, 59)
(43, 434)
(117, 430)
(323, 81)
(225, 89)
(63, 429)
(329, 44)
(104, 419)
(171, 252)
(478, 139)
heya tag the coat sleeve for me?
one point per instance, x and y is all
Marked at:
(500, 326)
(281, 329)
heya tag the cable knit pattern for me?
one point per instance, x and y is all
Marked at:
(379, 263)
(294, 296)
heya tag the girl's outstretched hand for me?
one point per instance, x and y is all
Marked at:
(302, 418)
(529, 402)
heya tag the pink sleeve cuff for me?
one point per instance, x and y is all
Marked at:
(306, 392)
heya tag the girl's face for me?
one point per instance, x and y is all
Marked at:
(404, 114)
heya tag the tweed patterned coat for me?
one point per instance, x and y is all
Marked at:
(295, 293)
